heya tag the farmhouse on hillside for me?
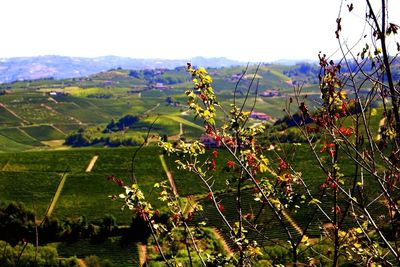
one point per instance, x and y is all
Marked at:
(57, 92)
(160, 86)
(271, 93)
(259, 116)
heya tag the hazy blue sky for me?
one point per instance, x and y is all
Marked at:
(263, 30)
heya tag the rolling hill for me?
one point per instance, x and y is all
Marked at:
(41, 113)
(60, 67)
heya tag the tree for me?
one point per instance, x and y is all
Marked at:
(108, 223)
(25, 254)
(352, 194)
(16, 223)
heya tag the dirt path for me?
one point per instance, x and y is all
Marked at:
(53, 100)
(292, 222)
(49, 108)
(57, 129)
(219, 237)
(180, 128)
(81, 263)
(76, 120)
(56, 195)
(169, 175)
(91, 163)
(5, 165)
(13, 113)
(25, 133)
(142, 254)
(152, 109)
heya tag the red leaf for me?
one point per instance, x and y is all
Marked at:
(221, 207)
(230, 164)
(215, 153)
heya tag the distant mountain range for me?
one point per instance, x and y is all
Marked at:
(60, 67)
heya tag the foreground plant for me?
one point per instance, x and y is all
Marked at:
(338, 130)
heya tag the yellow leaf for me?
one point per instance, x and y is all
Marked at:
(314, 201)
(343, 94)
(202, 71)
(304, 239)
(263, 167)
(358, 230)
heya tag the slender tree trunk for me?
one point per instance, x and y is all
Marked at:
(239, 207)
(335, 210)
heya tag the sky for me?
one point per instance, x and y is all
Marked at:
(250, 30)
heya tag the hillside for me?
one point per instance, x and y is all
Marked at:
(118, 107)
(41, 113)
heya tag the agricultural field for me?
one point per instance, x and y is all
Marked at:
(96, 100)
(38, 174)
(20, 136)
(9, 145)
(36, 166)
(86, 192)
(44, 132)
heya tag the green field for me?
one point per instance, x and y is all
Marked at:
(32, 177)
(19, 136)
(8, 119)
(37, 174)
(44, 132)
(33, 126)
(9, 145)
(98, 99)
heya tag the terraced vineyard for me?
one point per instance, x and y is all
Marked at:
(18, 135)
(31, 120)
(32, 177)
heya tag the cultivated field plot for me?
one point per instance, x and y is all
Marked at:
(68, 127)
(8, 145)
(35, 189)
(8, 119)
(38, 113)
(44, 132)
(19, 136)
(32, 177)
(46, 161)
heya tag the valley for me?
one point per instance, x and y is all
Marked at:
(67, 146)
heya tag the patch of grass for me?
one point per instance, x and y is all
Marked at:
(8, 119)
(67, 128)
(35, 189)
(44, 132)
(8, 145)
(182, 120)
(47, 161)
(19, 136)
(88, 194)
